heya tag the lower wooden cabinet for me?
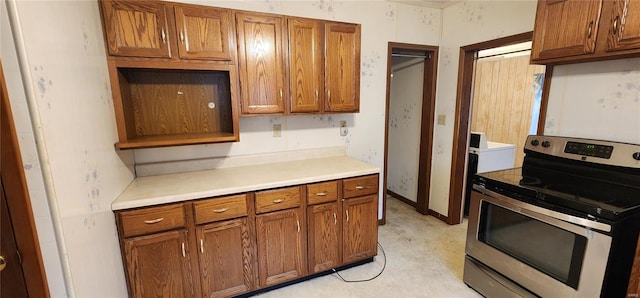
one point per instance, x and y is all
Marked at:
(324, 230)
(360, 232)
(281, 251)
(226, 263)
(159, 265)
(232, 245)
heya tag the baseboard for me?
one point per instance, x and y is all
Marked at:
(439, 216)
(401, 198)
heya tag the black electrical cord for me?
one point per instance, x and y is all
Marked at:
(384, 255)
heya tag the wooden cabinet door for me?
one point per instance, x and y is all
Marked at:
(306, 69)
(158, 265)
(204, 33)
(226, 262)
(261, 63)
(280, 246)
(360, 229)
(565, 28)
(324, 237)
(625, 26)
(136, 28)
(342, 67)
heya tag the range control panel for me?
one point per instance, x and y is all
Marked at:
(595, 151)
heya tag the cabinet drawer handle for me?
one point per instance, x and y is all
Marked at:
(221, 210)
(154, 221)
(359, 187)
(335, 219)
(201, 245)
(278, 201)
(347, 211)
(321, 194)
(298, 225)
(590, 29)
(184, 253)
(164, 36)
(614, 28)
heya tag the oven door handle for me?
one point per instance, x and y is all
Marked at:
(539, 210)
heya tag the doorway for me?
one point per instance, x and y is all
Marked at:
(409, 117)
(23, 274)
(462, 125)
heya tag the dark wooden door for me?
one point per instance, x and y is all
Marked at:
(12, 282)
(24, 272)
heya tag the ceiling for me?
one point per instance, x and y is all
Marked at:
(428, 3)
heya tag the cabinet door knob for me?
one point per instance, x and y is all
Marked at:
(154, 221)
(335, 219)
(316, 94)
(321, 194)
(280, 93)
(184, 253)
(3, 263)
(328, 95)
(164, 36)
(359, 187)
(278, 201)
(201, 245)
(221, 210)
(181, 37)
(614, 27)
(298, 225)
(347, 211)
(590, 29)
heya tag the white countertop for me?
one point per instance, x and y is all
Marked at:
(162, 189)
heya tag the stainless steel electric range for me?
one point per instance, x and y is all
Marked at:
(566, 224)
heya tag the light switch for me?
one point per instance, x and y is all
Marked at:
(277, 130)
(442, 119)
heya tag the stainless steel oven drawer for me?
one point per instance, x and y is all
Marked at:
(490, 283)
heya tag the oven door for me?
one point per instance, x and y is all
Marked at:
(548, 253)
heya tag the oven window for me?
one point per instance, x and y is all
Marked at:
(552, 250)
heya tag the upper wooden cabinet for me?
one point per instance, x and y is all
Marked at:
(342, 67)
(136, 29)
(306, 68)
(570, 31)
(204, 33)
(625, 26)
(261, 62)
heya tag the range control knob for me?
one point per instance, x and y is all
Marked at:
(535, 142)
(636, 156)
(546, 144)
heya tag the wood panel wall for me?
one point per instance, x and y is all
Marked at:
(503, 99)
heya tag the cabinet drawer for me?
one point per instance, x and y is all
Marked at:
(220, 208)
(277, 199)
(322, 192)
(360, 186)
(153, 219)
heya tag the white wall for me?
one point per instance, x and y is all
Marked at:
(463, 24)
(405, 119)
(67, 69)
(598, 100)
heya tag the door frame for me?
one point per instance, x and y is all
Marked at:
(426, 124)
(463, 115)
(18, 201)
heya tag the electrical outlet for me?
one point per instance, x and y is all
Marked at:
(442, 119)
(343, 128)
(277, 130)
